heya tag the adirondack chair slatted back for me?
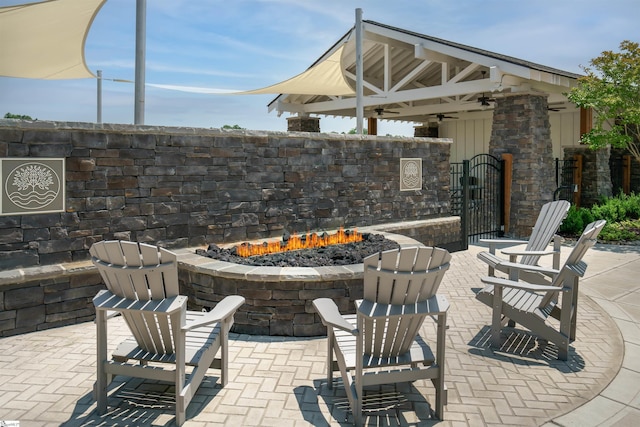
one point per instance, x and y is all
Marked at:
(549, 219)
(142, 272)
(574, 266)
(399, 279)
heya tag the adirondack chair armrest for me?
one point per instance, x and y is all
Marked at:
(330, 315)
(105, 300)
(223, 310)
(496, 281)
(517, 252)
(550, 272)
(435, 305)
(493, 243)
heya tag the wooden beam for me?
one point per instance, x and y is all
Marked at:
(626, 174)
(372, 126)
(586, 120)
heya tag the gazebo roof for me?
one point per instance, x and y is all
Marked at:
(414, 77)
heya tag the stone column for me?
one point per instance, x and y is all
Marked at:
(521, 128)
(430, 131)
(596, 174)
(303, 124)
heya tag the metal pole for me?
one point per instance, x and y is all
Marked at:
(141, 30)
(99, 97)
(359, 74)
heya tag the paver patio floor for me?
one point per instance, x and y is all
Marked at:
(46, 377)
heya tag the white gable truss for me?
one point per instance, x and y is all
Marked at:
(413, 77)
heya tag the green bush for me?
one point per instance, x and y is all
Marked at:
(622, 214)
(576, 220)
(621, 231)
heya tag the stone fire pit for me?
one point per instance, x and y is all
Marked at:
(278, 299)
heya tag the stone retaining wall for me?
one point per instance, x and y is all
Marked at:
(39, 298)
(181, 187)
(184, 187)
(44, 297)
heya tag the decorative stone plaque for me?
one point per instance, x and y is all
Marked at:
(410, 174)
(31, 185)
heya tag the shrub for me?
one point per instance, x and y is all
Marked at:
(622, 214)
(621, 231)
(576, 220)
(611, 210)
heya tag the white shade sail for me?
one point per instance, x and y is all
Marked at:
(325, 78)
(46, 40)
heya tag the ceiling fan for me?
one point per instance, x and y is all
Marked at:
(441, 116)
(555, 109)
(485, 100)
(381, 111)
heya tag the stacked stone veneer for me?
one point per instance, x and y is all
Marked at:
(303, 124)
(596, 174)
(46, 297)
(181, 187)
(521, 128)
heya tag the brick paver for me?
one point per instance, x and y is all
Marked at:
(46, 377)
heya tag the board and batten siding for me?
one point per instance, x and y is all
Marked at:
(471, 136)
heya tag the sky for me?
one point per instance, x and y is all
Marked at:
(249, 44)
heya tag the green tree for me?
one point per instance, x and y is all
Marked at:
(354, 131)
(17, 116)
(611, 88)
(232, 127)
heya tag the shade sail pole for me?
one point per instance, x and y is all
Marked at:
(141, 31)
(359, 74)
(99, 96)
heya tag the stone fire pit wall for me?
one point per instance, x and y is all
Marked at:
(278, 300)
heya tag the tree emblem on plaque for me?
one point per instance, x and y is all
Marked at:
(410, 174)
(32, 186)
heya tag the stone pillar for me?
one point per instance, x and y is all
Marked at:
(303, 124)
(521, 128)
(430, 131)
(596, 174)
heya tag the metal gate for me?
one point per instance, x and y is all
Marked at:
(565, 170)
(477, 196)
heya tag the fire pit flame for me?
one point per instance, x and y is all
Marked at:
(296, 242)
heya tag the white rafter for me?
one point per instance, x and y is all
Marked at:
(417, 76)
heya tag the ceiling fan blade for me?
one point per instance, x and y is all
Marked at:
(443, 116)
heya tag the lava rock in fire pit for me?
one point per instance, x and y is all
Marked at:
(341, 254)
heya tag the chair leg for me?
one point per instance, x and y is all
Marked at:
(100, 386)
(224, 353)
(441, 396)
(330, 337)
(180, 410)
(357, 408)
(496, 317)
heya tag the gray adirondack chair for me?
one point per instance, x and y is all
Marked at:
(544, 232)
(142, 285)
(380, 343)
(533, 305)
